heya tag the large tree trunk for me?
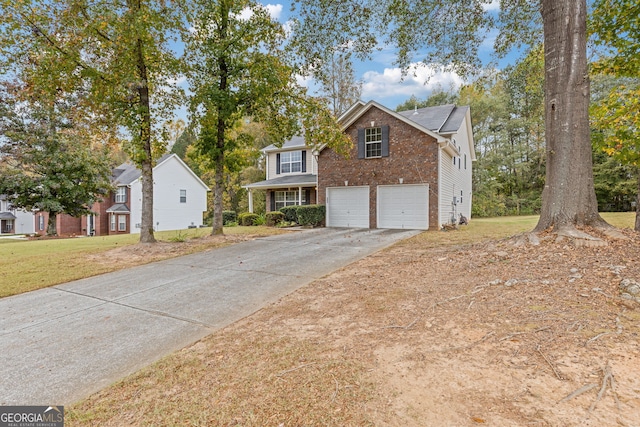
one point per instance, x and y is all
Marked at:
(569, 197)
(52, 229)
(218, 190)
(637, 227)
(146, 223)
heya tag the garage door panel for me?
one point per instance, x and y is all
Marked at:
(348, 207)
(403, 206)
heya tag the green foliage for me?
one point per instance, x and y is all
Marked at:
(229, 216)
(274, 218)
(437, 97)
(290, 213)
(311, 215)
(49, 165)
(247, 218)
(116, 54)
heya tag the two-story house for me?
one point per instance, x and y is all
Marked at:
(409, 169)
(291, 175)
(179, 202)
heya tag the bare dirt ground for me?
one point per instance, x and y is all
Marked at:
(486, 334)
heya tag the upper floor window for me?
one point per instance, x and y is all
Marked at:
(373, 142)
(183, 196)
(121, 195)
(291, 161)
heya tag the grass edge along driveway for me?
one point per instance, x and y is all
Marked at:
(27, 265)
(34, 264)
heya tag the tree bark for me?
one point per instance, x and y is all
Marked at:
(221, 123)
(146, 223)
(568, 198)
(637, 226)
(52, 229)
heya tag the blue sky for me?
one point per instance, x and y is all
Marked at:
(383, 81)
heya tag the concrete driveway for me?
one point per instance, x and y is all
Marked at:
(61, 344)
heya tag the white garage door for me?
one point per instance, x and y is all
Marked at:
(348, 207)
(403, 206)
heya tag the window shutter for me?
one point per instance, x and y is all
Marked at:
(273, 194)
(307, 197)
(385, 141)
(361, 143)
(278, 164)
(304, 161)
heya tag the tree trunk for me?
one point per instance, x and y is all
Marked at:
(52, 229)
(218, 190)
(569, 197)
(637, 227)
(221, 122)
(146, 223)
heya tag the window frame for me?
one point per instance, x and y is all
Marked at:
(288, 163)
(122, 222)
(121, 195)
(373, 142)
(183, 196)
(286, 201)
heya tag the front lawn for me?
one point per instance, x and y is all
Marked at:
(26, 265)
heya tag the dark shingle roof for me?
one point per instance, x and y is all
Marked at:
(127, 172)
(441, 119)
(296, 141)
(286, 181)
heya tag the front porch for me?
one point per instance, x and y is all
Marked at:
(286, 191)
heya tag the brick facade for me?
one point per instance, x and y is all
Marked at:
(413, 157)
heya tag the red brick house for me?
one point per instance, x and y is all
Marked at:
(409, 169)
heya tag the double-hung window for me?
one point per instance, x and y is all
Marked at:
(373, 142)
(122, 223)
(291, 161)
(183, 196)
(289, 198)
(121, 195)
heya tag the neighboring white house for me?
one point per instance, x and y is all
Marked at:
(15, 221)
(179, 197)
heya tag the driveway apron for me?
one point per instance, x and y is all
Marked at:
(62, 343)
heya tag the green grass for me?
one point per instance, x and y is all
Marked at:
(35, 264)
(483, 229)
(26, 265)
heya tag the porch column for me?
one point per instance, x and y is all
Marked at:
(299, 196)
(250, 201)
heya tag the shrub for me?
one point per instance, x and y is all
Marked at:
(311, 215)
(274, 218)
(229, 216)
(260, 220)
(247, 218)
(290, 213)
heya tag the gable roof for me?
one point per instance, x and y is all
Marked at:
(127, 173)
(443, 119)
(359, 108)
(295, 142)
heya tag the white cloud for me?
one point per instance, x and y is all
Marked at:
(275, 10)
(494, 5)
(420, 81)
